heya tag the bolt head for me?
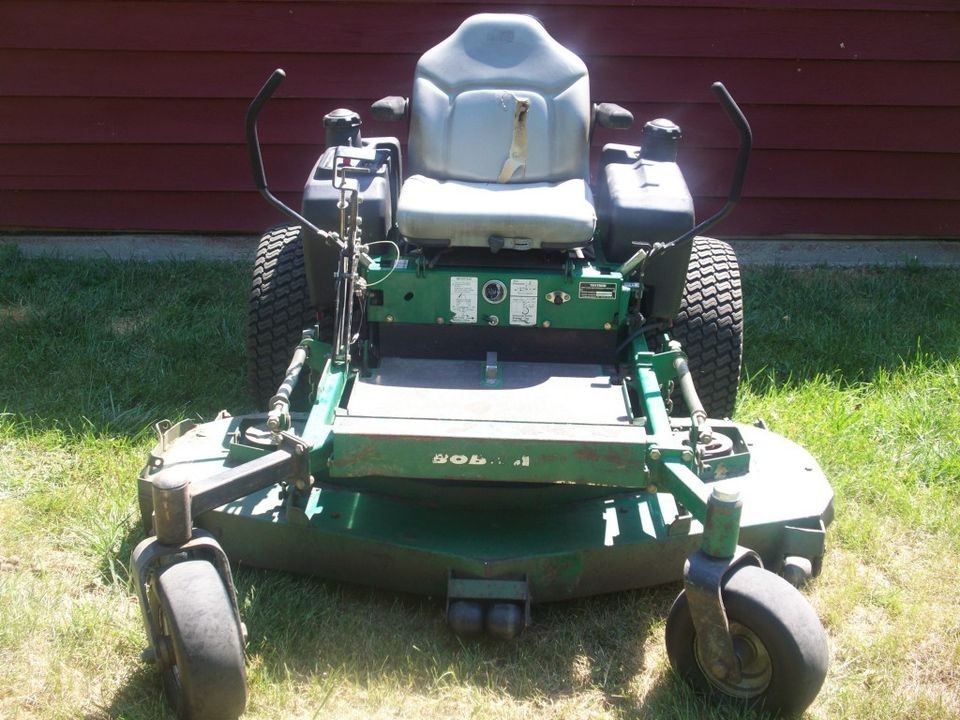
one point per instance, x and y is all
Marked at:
(655, 453)
(608, 326)
(546, 323)
(440, 321)
(687, 456)
(389, 318)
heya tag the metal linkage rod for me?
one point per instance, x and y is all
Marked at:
(278, 417)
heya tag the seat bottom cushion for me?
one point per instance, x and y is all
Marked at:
(520, 215)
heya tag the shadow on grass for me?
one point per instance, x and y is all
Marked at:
(340, 629)
(140, 698)
(847, 324)
(321, 637)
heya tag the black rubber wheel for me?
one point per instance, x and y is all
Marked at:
(505, 620)
(207, 678)
(777, 635)
(279, 310)
(709, 326)
(465, 618)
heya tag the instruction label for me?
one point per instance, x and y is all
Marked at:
(523, 302)
(463, 299)
(598, 291)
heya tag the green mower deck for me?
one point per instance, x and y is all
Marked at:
(566, 546)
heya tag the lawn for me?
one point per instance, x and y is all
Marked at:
(860, 366)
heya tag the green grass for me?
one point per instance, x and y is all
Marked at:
(860, 366)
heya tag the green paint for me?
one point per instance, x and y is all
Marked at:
(318, 354)
(586, 297)
(658, 422)
(477, 589)
(330, 389)
(490, 459)
(675, 477)
(569, 550)
(721, 531)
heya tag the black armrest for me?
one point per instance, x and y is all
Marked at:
(390, 108)
(611, 115)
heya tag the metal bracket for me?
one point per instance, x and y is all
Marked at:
(167, 434)
(806, 542)
(490, 590)
(680, 525)
(300, 476)
(177, 500)
(150, 555)
(491, 369)
(703, 577)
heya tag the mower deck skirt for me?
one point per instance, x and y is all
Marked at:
(565, 547)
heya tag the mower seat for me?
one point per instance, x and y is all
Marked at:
(499, 141)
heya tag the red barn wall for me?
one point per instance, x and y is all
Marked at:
(128, 115)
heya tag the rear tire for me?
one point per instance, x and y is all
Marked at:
(279, 310)
(709, 327)
(206, 678)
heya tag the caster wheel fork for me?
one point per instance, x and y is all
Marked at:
(740, 632)
(778, 641)
(189, 608)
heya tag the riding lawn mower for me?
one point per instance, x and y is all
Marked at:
(488, 379)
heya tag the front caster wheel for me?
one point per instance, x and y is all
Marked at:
(778, 639)
(203, 666)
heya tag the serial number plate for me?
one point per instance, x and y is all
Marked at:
(598, 291)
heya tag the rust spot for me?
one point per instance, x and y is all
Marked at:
(605, 454)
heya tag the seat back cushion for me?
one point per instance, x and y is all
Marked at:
(469, 90)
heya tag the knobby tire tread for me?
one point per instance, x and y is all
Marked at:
(279, 310)
(709, 326)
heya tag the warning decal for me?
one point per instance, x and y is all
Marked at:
(463, 299)
(523, 302)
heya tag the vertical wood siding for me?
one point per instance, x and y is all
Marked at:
(128, 115)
